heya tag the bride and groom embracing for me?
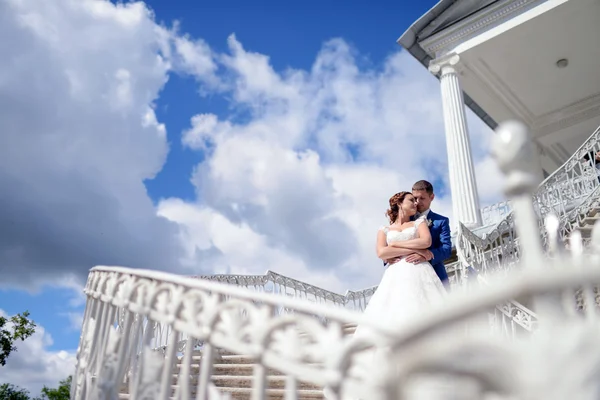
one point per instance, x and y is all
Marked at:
(413, 247)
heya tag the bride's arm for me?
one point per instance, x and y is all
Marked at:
(422, 242)
(386, 252)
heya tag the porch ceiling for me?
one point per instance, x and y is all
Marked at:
(514, 73)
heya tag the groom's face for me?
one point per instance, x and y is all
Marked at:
(423, 199)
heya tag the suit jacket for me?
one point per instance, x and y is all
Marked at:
(441, 244)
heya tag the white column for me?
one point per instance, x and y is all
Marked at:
(465, 199)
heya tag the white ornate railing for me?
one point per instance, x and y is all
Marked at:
(495, 213)
(274, 283)
(446, 351)
(499, 249)
(511, 318)
(569, 193)
(125, 306)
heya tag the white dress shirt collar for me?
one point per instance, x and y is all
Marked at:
(425, 213)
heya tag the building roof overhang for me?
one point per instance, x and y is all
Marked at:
(423, 28)
(532, 60)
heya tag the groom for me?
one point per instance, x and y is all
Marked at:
(439, 226)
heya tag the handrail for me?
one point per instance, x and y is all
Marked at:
(503, 208)
(125, 306)
(569, 193)
(590, 145)
(564, 193)
(281, 285)
(494, 213)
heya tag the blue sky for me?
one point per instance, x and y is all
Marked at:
(290, 33)
(193, 151)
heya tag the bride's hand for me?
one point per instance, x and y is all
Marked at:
(419, 256)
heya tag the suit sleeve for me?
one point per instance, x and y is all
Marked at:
(443, 251)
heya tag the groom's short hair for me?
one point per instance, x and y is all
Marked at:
(423, 185)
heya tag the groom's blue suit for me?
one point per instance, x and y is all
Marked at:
(441, 244)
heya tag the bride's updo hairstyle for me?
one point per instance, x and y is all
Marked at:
(394, 210)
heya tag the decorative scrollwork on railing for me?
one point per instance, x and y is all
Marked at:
(568, 193)
(274, 283)
(124, 305)
(575, 217)
(495, 213)
(446, 349)
(497, 249)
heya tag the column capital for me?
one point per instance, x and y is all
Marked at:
(445, 64)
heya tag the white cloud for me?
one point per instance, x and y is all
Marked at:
(79, 136)
(305, 178)
(299, 187)
(33, 365)
(194, 57)
(226, 247)
(489, 181)
(75, 320)
(303, 183)
(204, 128)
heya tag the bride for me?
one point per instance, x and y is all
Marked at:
(406, 289)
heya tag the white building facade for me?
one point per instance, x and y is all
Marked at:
(537, 61)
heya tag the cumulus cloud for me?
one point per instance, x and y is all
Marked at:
(34, 365)
(295, 179)
(79, 137)
(304, 175)
(302, 183)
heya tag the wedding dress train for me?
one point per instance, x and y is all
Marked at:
(406, 290)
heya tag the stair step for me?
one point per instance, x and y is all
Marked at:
(272, 394)
(586, 231)
(227, 359)
(273, 382)
(591, 220)
(233, 374)
(246, 394)
(245, 381)
(227, 369)
(236, 359)
(593, 212)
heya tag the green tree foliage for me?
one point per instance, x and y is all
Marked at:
(63, 391)
(22, 327)
(12, 392)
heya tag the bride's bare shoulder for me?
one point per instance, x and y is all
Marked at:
(419, 220)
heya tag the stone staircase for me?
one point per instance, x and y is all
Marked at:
(592, 217)
(233, 375)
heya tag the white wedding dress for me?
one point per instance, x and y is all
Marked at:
(406, 289)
